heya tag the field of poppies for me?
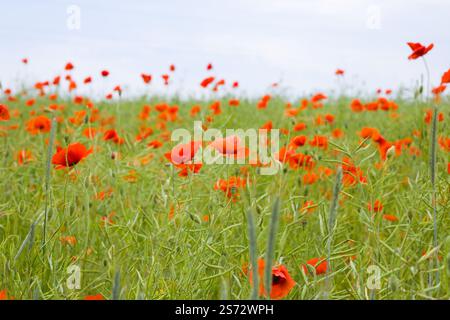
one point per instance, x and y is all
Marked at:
(98, 202)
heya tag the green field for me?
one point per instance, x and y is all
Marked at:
(136, 229)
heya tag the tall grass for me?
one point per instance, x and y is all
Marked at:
(331, 224)
(253, 253)
(116, 286)
(47, 179)
(270, 251)
(193, 258)
(433, 169)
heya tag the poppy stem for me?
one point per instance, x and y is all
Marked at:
(427, 70)
(433, 186)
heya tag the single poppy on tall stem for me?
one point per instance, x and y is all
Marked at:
(419, 51)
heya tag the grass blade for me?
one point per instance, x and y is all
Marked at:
(47, 179)
(253, 254)
(29, 239)
(271, 246)
(116, 286)
(433, 186)
(331, 224)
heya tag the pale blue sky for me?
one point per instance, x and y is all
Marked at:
(256, 42)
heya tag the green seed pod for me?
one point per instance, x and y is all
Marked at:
(394, 283)
(447, 243)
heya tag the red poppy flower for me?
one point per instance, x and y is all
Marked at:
(337, 133)
(297, 141)
(146, 78)
(185, 168)
(68, 240)
(339, 72)
(262, 104)
(351, 173)
(72, 86)
(439, 89)
(446, 77)
(230, 146)
(215, 107)
(390, 217)
(24, 156)
(38, 124)
(319, 141)
(155, 144)
(418, 50)
(377, 206)
(230, 187)
(69, 66)
(320, 265)
(3, 295)
(89, 132)
(207, 81)
(4, 113)
(166, 79)
(318, 97)
(87, 80)
(284, 154)
(356, 106)
(112, 135)
(70, 156)
(183, 153)
(118, 89)
(310, 178)
(95, 297)
(56, 80)
(282, 283)
(195, 110)
(429, 116)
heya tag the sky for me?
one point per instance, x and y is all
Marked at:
(296, 43)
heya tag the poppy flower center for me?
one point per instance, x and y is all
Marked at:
(277, 280)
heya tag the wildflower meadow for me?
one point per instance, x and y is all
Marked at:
(328, 195)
